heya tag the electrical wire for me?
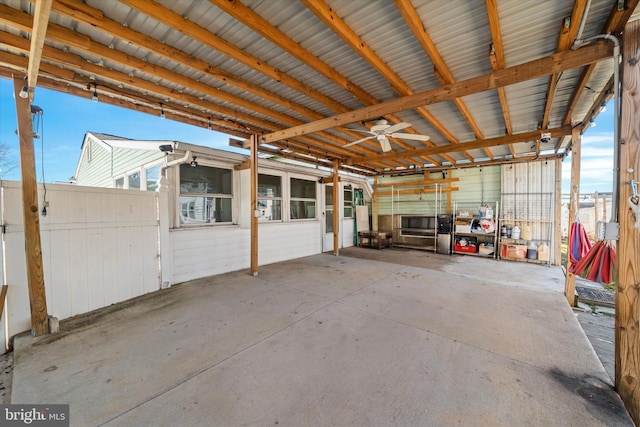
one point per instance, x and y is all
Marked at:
(39, 127)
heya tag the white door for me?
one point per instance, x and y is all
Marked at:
(327, 218)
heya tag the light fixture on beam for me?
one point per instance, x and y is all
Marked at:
(161, 111)
(603, 107)
(209, 123)
(94, 98)
(24, 92)
(286, 150)
(592, 123)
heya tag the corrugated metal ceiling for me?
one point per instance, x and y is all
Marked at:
(274, 88)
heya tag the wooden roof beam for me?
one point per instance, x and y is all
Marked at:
(568, 31)
(75, 62)
(38, 33)
(615, 24)
(170, 18)
(442, 72)
(496, 57)
(327, 15)
(507, 76)
(492, 142)
(255, 22)
(83, 13)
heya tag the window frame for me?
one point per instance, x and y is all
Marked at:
(305, 200)
(279, 198)
(180, 194)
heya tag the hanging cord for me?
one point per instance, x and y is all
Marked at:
(40, 132)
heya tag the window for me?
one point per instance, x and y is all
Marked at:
(153, 175)
(205, 195)
(328, 208)
(303, 199)
(134, 180)
(269, 198)
(120, 182)
(348, 202)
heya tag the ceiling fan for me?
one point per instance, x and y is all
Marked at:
(382, 129)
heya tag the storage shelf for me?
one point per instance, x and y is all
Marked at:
(478, 238)
(490, 235)
(424, 248)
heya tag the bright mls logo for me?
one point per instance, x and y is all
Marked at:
(34, 415)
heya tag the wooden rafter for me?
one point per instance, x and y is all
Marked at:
(162, 94)
(38, 33)
(258, 24)
(492, 142)
(568, 30)
(496, 57)
(325, 13)
(83, 13)
(615, 24)
(442, 72)
(507, 76)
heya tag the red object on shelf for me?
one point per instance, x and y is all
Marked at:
(460, 248)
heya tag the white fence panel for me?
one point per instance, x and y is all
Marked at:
(99, 246)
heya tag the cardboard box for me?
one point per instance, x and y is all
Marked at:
(463, 228)
(464, 214)
(485, 250)
(463, 225)
(513, 251)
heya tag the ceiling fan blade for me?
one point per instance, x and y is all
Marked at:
(412, 136)
(358, 141)
(384, 144)
(396, 127)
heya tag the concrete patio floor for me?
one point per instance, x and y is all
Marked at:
(407, 338)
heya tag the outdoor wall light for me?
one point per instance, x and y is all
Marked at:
(194, 163)
(161, 111)
(24, 93)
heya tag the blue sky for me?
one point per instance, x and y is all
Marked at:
(67, 118)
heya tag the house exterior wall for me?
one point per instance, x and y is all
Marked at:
(100, 163)
(94, 169)
(99, 247)
(475, 186)
(126, 160)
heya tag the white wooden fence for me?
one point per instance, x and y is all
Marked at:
(99, 246)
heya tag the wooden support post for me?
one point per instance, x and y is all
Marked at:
(557, 250)
(31, 215)
(374, 207)
(254, 203)
(570, 278)
(336, 209)
(596, 212)
(627, 342)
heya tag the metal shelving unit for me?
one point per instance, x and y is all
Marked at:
(533, 210)
(479, 237)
